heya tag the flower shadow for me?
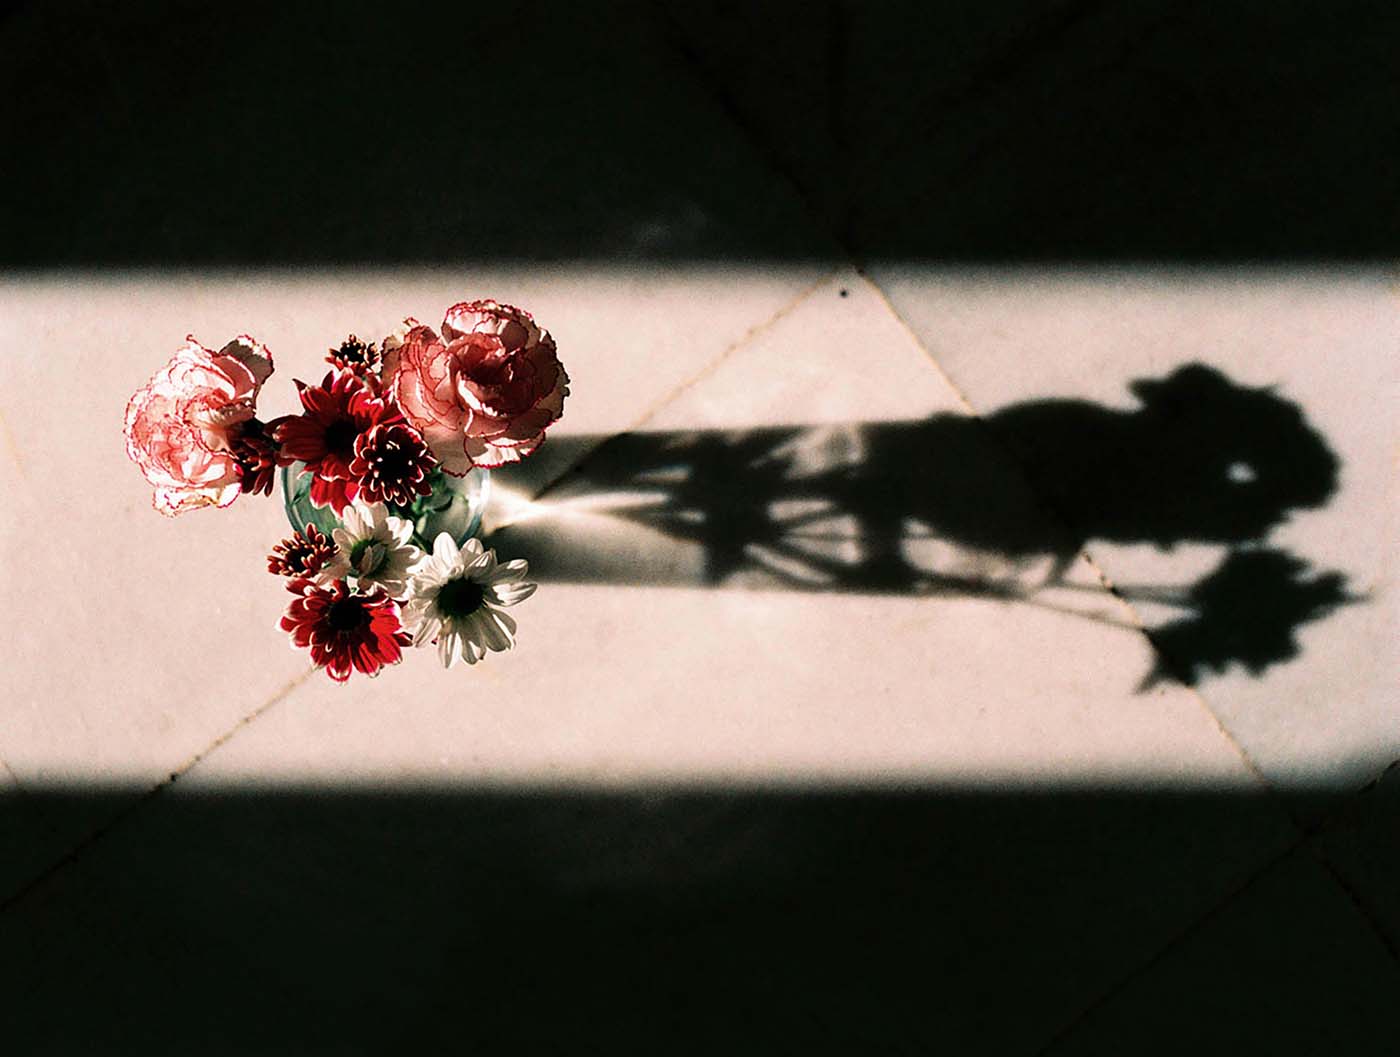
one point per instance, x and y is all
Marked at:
(997, 506)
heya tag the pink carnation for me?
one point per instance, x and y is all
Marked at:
(485, 391)
(182, 425)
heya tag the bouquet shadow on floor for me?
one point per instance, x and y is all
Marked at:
(996, 507)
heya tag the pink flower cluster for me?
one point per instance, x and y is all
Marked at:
(374, 431)
(481, 394)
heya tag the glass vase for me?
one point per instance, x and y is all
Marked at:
(455, 506)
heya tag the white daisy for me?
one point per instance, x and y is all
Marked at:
(455, 595)
(374, 547)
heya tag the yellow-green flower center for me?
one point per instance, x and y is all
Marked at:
(368, 556)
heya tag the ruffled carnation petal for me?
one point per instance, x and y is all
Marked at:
(172, 501)
(486, 395)
(253, 356)
(491, 456)
(515, 326)
(183, 426)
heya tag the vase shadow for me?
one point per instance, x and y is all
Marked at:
(997, 506)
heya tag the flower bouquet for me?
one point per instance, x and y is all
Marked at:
(384, 475)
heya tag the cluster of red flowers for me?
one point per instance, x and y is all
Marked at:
(377, 428)
(352, 440)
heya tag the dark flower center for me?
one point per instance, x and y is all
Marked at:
(299, 560)
(303, 553)
(391, 460)
(347, 614)
(340, 437)
(460, 597)
(355, 354)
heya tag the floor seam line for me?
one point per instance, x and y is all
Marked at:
(1105, 580)
(993, 142)
(1187, 932)
(19, 786)
(710, 85)
(1353, 897)
(921, 345)
(744, 339)
(76, 852)
(1356, 802)
(680, 388)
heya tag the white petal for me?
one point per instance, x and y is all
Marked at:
(486, 631)
(356, 520)
(502, 629)
(431, 571)
(482, 631)
(444, 550)
(338, 568)
(516, 569)
(510, 593)
(470, 632)
(447, 647)
(422, 595)
(396, 565)
(400, 530)
(472, 651)
(468, 637)
(428, 629)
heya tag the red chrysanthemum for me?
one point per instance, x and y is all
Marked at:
(392, 464)
(256, 454)
(303, 553)
(345, 629)
(336, 413)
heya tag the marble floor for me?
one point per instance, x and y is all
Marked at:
(944, 641)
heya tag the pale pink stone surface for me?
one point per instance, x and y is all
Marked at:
(1327, 340)
(140, 641)
(797, 369)
(641, 674)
